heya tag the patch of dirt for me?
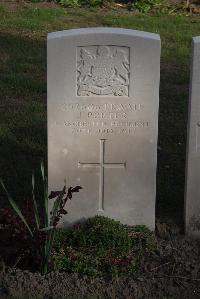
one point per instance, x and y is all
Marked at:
(171, 271)
(13, 5)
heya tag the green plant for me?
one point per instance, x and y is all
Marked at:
(145, 6)
(101, 246)
(49, 224)
(69, 3)
(37, 1)
(90, 3)
(158, 7)
(97, 3)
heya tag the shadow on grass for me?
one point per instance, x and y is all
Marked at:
(174, 92)
(22, 112)
(23, 123)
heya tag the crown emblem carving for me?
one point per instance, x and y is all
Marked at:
(103, 71)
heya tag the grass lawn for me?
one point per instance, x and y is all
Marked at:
(23, 30)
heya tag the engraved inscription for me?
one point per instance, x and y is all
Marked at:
(111, 107)
(106, 127)
(103, 118)
(103, 71)
(101, 165)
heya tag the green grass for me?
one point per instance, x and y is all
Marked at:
(34, 19)
(23, 30)
(175, 31)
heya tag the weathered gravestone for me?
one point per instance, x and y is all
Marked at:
(103, 93)
(192, 194)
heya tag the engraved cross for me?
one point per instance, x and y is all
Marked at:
(101, 165)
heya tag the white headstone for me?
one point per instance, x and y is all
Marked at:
(103, 95)
(192, 194)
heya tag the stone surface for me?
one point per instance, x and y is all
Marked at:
(103, 94)
(192, 194)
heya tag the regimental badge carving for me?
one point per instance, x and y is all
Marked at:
(103, 71)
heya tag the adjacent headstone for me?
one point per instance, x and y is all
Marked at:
(103, 95)
(192, 194)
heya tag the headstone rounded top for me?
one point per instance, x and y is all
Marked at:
(196, 39)
(103, 30)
